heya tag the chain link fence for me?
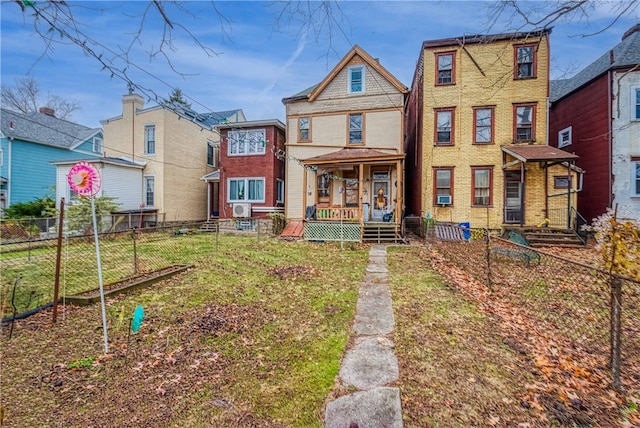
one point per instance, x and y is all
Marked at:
(29, 266)
(574, 312)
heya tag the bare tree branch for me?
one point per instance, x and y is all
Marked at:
(26, 97)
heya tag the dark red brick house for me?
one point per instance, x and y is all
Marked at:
(249, 182)
(596, 115)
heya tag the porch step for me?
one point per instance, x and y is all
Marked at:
(293, 229)
(380, 232)
(551, 237)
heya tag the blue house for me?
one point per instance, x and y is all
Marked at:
(28, 145)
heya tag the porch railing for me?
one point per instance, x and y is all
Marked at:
(337, 213)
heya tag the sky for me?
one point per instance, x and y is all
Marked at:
(253, 59)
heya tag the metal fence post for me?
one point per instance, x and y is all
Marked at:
(616, 330)
(487, 240)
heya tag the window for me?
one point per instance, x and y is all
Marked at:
(355, 128)
(324, 183)
(483, 125)
(150, 140)
(561, 182)
(635, 176)
(149, 191)
(279, 191)
(524, 122)
(564, 138)
(635, 104)
(303, 129)
(482, 178)
(247, 142)
(356, 79)
(525, 61)
(246, 189)
(443, 183)
(97, 144)
(444, 127)
(213, 154)
(445, 68)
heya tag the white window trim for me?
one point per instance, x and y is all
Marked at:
(632, 114)
(101, 145)
(155, 139)
(246, 180)
(144, 189)
(264, 145)
(566, 130)
(633, 185)
(350, 69)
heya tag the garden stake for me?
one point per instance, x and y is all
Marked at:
(13, 297)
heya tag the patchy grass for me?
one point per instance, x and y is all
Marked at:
(455, 369)
(251, 337)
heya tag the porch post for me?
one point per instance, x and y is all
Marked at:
(399, 193)
(304, 193)
(522, 170)
(568, 195)
(360, 190)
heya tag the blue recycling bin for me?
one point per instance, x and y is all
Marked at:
(466, 230)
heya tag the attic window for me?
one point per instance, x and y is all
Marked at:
(356, 79)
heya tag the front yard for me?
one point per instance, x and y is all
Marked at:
(254, 335)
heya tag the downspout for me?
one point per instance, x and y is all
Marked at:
(610, 139)
(546, 170)
(569, 195)
(133, 132)
(9, 161)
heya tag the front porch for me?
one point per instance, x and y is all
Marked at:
(349, 191)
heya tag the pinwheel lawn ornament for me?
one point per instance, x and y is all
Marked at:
(84, 179)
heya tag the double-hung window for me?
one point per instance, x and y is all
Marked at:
(525, 122)
(149, 190)
(304, 133)
(150, 140)
(635, 103)
(356, 79)
(564, 137)
(482, 177)
(279, 191)
(355, 128)
(525, 61)
(247, 142)
(483, 125)
(246, 190)
(443, 186)
(635, 176)
(444, 119)
(445, 68)
(97, 144)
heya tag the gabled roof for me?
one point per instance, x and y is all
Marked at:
(312, 92)
(348, 155)
(624, 54)
(212, 176)
(44, 129)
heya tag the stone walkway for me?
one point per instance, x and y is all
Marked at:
(370, 365)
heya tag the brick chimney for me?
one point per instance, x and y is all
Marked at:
(48, 111)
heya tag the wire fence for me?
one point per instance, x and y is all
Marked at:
(31, 268)
(574, 315)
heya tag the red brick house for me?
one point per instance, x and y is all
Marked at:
(596, 115)
(249, 181)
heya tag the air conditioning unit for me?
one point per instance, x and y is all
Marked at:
(241, 210)
(444, 200)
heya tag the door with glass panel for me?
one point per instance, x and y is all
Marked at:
(513, 197)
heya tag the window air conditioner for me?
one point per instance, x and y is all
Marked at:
(241, 210)
(444, 199)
